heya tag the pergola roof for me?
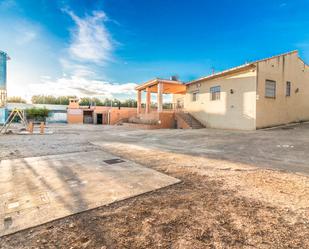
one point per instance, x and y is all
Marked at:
(169, 86)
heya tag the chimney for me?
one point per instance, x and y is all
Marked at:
(174, 78)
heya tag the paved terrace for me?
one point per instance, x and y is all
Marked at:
(280, 148)
(36, 190)
(66, 172)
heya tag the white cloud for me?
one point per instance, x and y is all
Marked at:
(82, 61)
(25, 36)
(91, 46)
(31, 49)
(76, 69)
(20, 32)
(82, 87)
(91, 40)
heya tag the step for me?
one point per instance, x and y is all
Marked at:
(190, 120)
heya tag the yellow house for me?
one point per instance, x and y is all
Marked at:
(260, 94)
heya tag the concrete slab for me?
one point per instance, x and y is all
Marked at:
(36, 190)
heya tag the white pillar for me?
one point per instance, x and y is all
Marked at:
(148, 100)
(159, 97)
(139, 101)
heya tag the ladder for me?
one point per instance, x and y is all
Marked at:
(15, 113)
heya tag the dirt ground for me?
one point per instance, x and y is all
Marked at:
(238, 189)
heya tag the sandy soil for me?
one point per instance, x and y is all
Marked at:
(219, 203)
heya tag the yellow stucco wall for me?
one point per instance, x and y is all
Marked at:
(232, 111)
(282, 109)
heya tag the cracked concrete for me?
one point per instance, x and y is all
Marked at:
(36, 190)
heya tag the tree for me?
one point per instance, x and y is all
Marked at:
(129, 103)
(37, 114)
(107, 102)
(16, 99)
(48, 99)
(85, 101)
(42, 99)
(64, 100)
(168, 106)
(97, 102)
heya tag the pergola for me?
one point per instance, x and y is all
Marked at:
(159, 86)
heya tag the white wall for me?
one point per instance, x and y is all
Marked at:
(283, 109)
(57, 117)
(232, 111)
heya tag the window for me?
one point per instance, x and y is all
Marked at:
(270, 89)
(288, 89)
(215, 93)
(195, 96)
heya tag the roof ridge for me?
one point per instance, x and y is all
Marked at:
(239, 67)
(272, 57)
(232, 69)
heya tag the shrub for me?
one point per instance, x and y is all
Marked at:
(37, 114)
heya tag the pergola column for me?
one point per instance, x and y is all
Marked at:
(139, 101)
(148, 100)
(159, 97)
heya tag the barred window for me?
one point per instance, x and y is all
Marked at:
(288, 89)
(270, 89)
(195, 96)
(215, 93)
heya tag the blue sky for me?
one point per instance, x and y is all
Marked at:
(104, 48)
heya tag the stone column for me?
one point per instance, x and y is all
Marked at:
(148, 100)
(139, 101)
(159, 97)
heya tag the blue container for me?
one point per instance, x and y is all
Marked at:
(3, 60)
(3, 115)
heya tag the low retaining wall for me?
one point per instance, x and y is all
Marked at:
(141, 126)
(167, 120)
(181, 124)
(112, 114)
(162, 120)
